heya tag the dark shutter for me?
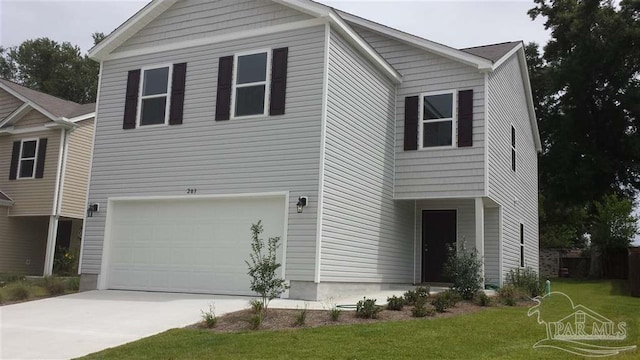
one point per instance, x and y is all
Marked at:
(465, 118)
(42, 151)
(223, 97)
(131, 101)
(177, 93)
(15, 157)
(411, 123)
(278, 81)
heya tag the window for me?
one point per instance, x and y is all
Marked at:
(521, 245)
(251, 84)
(513, 148)
(154, 96)
(437, 114)
(28, 158)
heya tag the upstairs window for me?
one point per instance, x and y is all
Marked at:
(437, 114)
(251, 84)
(154, 96)
(513, 148)
(28, 158)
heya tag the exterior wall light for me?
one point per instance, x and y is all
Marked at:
(302, 202)
(92, 208)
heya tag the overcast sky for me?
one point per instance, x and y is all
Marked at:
(455, 23)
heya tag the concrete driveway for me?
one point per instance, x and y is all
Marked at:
(75, 325)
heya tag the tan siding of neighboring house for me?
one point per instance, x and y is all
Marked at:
(75, 180)
(31, 119)
(31, 196)
(8, 104)
(22, 243)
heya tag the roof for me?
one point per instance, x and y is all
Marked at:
(49, 105)
(5, 200)
(493, 52)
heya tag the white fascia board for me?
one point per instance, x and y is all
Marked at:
(364, 47)
(307, 7)
(13, 131)
(439, 49)
(129, 28)
(17, 114)
(82, 117)
(61, 123)
(527, 90)
(25, 100)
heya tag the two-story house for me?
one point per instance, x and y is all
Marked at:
(368, 150)
(45, 153)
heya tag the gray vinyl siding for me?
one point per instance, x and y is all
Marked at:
(263, 154)
(517, 192)
(453, 172)
(359, 214)
(194, 19)
(465, 225)
(492, 245)
(8, 104)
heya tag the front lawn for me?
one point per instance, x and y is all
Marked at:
(498, 332)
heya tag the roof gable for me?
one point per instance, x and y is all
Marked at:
(493, 52)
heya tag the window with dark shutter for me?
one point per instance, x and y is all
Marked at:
(278, 81)
(177, 93)
(225, 83)
(42, 151)
(27, 159)
(15, 159)
(411, 104)
(131, 100)
(465, 118)
(437, 119)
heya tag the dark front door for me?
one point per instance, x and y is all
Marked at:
(63, 238)
(438, 233)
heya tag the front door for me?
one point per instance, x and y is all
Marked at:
(438, 233)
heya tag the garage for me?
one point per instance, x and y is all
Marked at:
(196, 245)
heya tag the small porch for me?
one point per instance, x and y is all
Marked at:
(474, 223)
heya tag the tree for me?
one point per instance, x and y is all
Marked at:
(263, 267)
(56, 69)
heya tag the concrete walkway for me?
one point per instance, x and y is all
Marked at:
(79, 324)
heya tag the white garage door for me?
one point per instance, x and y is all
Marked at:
(191, 245)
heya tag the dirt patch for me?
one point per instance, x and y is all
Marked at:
(279, 319)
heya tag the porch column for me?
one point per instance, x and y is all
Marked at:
(479, 205)
(51, 245)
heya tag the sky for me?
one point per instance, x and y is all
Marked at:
(454, 23)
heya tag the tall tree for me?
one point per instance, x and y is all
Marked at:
(56, 69)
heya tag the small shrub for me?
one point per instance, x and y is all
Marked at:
(11, 278)
(482, 299)
(18, 291)
(334, 313)
(451, 297)
(65, 262)
(526, 280)
(301, 317)
(367, 308)
(255, 321)
(420, 309)
(73, 283)
(510, 294)
(463, 268)
(411, 297)
(209, 316)
(395, 303)
(54, 285)
(440, 303)
(256, 306)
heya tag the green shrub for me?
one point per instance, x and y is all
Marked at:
(334, 313)
(54, 285)
(412, 296)
(73, 283)
(526, 280)
(451, 297)
(255, 321)
(367, 308)
(440, 303)
(18, 291)
(395, 303)
(482, 299)
(65, 262)
(9, 278)
(256, 306)
(301, 317)
(209, 316)
(510, 294)
(420, 309)
(464, 269)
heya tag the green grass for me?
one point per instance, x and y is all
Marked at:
(498, 332)
(36, 288)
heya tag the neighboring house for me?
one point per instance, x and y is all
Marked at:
(45, 153)
(366, 149)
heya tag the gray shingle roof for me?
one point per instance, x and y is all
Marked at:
(56, 106)
(493, 52)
